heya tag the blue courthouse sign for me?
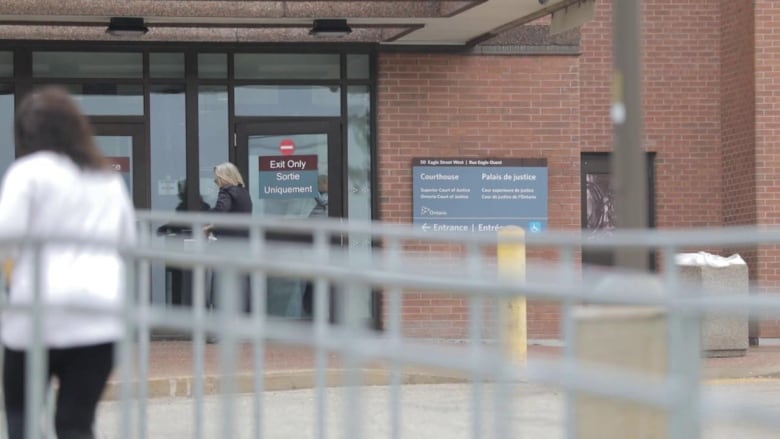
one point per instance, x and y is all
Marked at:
(479, 195)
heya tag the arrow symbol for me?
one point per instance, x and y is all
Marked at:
(425, 227)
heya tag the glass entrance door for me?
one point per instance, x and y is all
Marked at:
(292, 169)
(122, 144)
(291, 166)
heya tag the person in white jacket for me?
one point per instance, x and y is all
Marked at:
(62, 186)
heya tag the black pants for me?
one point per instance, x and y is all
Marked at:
(82, 373)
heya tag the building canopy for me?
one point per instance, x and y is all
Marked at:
(398, 22)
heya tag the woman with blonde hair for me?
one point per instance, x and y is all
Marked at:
(228, 174)
(233, 197)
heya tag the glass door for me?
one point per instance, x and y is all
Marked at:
(291, 166)
(293, 169)
(122, 144)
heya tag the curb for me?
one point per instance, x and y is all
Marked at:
(182, 387)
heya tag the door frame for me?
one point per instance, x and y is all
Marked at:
(141, 169)
(331, 126)
(243, 127)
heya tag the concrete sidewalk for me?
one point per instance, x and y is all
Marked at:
(426, 411)
(286, 368)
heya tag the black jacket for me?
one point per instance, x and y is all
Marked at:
(184, 230)
(232, 199)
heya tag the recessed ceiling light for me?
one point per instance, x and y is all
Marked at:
(126, 27)
(330, 28)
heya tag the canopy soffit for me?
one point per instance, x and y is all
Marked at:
(397, 22)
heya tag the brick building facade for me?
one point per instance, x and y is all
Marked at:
(431, 79)
(710, 118)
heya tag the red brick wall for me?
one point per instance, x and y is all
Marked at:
(558, 106)
(738, 124)
(738, 113)
(595, 80)
(476, 106)
(681, 66)
(767, 131)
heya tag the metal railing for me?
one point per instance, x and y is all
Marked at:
(402, 260)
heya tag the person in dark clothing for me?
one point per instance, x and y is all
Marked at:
(180, 279)
(233, 197)
(183, 206)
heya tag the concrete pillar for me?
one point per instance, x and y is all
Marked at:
(712, 276)
(633, 339)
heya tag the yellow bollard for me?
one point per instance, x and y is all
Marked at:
(511, 265)
(8, 269)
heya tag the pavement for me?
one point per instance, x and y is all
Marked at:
(287, 368)
(437, 405)
(424, 411)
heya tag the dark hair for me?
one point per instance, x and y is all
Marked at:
(49, 120)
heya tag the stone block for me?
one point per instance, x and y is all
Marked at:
(716, 276)
(629, 339)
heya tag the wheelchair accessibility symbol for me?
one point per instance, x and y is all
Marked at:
(535, 227)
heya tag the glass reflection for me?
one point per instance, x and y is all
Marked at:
(119, 152)
(168, 172)
(101, 99)
(358, 306)
(166, 65)
(6, 64)
(286, 66)
(214, 135)
(7, 152)
(262, 184)
(358, 66)
(293, 100)
(212, 65)
(87, 65)
(359, 152)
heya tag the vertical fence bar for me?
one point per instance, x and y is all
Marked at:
(511, 328)
(393, 251)
(502, 355)
(684, 362)
(567, 332)
(228, 306)
(144, 331)
(352, 412)
(320, 300)
(503, 400)
(198, 333)
(198, 350)
(476, 308)
(511, 346)
(37, 378)
(125, 349)
(510, 254)
(51, 409)
(6, 285)
(258, 292)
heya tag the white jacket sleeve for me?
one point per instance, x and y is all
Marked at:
(16, 193)
(129, 234)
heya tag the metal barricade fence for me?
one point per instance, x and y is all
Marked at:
(396, 259)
